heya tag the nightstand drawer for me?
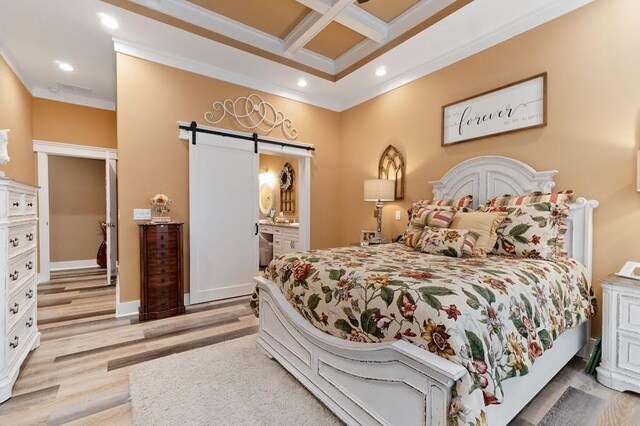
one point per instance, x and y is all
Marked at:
(629, 315)
(629, 354)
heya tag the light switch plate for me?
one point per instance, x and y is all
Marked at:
(398, 213)
(141, 214)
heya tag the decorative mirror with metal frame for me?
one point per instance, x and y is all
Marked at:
(287, 180)
(391, 166)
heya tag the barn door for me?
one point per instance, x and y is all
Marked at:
(223, 188)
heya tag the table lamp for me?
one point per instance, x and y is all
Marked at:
(379, 190)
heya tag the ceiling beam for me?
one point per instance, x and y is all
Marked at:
(311, 25)
(353, 17)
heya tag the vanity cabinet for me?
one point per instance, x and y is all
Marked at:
(284, 238)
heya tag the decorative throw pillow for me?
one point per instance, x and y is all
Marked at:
(448, 242)
(425, 216)
(482, 223)
(456, 202)
(561, 197)
(532, 230)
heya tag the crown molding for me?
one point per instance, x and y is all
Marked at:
(511, 29)
(45, 93)
(15, 68)
(208, 70)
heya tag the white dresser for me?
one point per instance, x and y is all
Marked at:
(18, 292)
(620, 366)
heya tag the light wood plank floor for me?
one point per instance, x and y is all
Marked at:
(80, 372)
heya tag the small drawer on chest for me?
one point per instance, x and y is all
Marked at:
(20, 334)
(629, 313)
(21, 268)
(16, 203)
(20, 301)
(21, 238)
(30, 204)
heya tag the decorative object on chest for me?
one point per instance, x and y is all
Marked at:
(18, 288)
(620, 366)
(161, 274)
(161, 203)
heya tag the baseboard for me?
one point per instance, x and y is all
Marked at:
(73, 264)
(126, 309)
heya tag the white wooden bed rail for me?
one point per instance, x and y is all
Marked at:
(363, 384)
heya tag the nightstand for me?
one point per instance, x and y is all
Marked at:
(620, 365)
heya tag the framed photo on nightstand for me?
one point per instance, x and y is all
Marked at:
(630, 270)
(366, 236)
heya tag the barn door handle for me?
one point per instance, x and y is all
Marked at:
(256, 229)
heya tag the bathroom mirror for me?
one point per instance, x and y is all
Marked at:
(267, 198)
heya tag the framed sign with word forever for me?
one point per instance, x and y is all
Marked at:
(511, 108)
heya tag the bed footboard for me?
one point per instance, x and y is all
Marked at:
(362, 383)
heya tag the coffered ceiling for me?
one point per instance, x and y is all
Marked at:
(327, 38)
(335, 47)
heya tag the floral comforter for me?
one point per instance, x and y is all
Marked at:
(494, 316)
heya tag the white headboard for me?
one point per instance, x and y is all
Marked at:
(490, 176)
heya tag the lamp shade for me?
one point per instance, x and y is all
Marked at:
(379, 190)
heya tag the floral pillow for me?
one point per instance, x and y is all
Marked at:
(561, 197)
(429, 216)
(533, 230)
(448, 242)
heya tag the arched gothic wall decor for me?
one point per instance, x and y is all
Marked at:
(253, 113)
(391, 166)
(287, 180)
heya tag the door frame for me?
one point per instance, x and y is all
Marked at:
(43, 149)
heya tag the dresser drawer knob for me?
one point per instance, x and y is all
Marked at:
(15, 342)
(15, 308)
(15, 242)
(29, 204)
(29, 294)
(29, 323)
(29, 265)
(162, 246)
(30, 236)
(162, 237)
(14, 276)
(16, 204)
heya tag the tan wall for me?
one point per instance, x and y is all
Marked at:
(151, 158)
(591, 139)
(77, 203)
(275, 163)
(75, 124)
(15, 114)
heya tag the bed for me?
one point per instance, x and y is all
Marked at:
(417, 360)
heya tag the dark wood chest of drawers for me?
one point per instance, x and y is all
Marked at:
(161, 273)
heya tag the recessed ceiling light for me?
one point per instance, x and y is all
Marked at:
(65, 66)
(108, 21)
(381, 71)
(302, 82)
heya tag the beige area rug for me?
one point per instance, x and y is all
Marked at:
(230, 383)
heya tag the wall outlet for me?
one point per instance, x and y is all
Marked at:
(398, 213)
(141, 214)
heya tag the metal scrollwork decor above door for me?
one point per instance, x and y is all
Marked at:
(253, 113)
(391, 166)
